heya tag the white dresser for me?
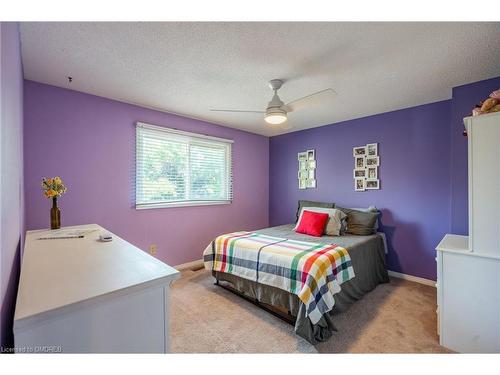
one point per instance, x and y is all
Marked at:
(468, 267)
(85, 296)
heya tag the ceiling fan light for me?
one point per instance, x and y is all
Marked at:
(275, 117)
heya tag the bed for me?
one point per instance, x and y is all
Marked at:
(367, 258)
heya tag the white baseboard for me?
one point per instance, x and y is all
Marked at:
(415, 279)
(194, 265)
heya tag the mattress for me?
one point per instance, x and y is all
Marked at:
(368, 260)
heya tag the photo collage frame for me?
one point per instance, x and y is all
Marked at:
(366, 163)
(307, 169)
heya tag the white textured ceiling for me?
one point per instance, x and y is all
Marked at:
(188, 68)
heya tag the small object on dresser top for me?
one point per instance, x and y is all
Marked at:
(65, 234)
(105, 237)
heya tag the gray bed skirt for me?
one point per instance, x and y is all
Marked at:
(368, 260)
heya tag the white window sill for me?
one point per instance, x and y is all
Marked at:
(180, 204)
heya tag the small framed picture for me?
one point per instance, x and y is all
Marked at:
(359, 162)
(359, 151)
(302, 174)
(311, 183)
(359, 173)
(302, 156)
(371, 173)
(302, 183)
(303, 165)
(311, 164)
(359, 184)
(311, 155)
(372, 184)
(372, 161)
(372, 149)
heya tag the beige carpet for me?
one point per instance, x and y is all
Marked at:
(399, 317)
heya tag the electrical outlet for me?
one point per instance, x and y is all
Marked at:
(152, 249)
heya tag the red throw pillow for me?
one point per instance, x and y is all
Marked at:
(312, 223)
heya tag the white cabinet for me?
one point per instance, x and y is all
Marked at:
(85, 296)
(468, 293)
(468, 285)
(484, 183)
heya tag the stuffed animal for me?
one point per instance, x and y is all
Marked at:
(489, 105)
(495, 94)
(495, 108)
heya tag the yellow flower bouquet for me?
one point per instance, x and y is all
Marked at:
(54, 188)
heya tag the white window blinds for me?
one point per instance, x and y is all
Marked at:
(176, 168)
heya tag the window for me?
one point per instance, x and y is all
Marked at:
(176, 168)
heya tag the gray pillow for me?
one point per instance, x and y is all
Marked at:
(369, 209)
(361, 223)
(303, 204)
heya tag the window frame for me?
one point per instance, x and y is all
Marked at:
(194, 137)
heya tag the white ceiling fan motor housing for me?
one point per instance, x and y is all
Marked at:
(275, 112)
(276, 105)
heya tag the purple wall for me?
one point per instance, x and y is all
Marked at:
(11, 178)
(414, 149)
(90, 142)
(464, 99)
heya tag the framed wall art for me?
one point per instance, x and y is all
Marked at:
(372, 184)
(359, 151)
(372, 161)
(366, 163)
(372, 149)
(307, 169)
(360, 173)
(359, 162)
(359, 184)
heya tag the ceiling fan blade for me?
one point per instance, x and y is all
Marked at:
(235, 111)
(285, 126)
(311, 100)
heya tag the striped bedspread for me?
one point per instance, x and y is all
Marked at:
(312, 271)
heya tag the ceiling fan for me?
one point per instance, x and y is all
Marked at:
(276, 112)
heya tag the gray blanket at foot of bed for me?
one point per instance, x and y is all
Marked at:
(368, 260)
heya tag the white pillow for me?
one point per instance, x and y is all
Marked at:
(334, 222)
